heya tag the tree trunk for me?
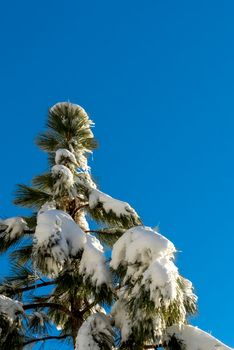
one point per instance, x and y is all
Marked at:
(77, 319)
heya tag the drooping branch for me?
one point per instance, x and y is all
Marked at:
(100, 232)
(52, 337)
(50, 305)
(35, 286)
(79, 208)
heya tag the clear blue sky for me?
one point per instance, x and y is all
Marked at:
(157, 77)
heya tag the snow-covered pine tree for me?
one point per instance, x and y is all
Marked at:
(61, 281)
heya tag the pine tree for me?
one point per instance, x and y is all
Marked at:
(61, 281)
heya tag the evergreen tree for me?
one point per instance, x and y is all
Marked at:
(61, 281)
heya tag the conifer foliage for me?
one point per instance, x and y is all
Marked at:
(61, 281)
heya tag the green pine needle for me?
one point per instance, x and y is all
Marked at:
(30, 197)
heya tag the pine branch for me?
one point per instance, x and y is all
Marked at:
(21, 255)
(31, 220)
(51, 337)
(79, 208)
(6, 242)
(108, 236)
(38, 324)
(43, 182)
(68, 126)
(39, 285)
(101, 232)
(123, 221)
(48, 305)
(23, 276)
(31, 197)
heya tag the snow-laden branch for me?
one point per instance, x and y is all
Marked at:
(14, 227)
(64, 156)
(58, 238)
(10, 308)
(11, 230)
(152, 289)
(193, 338)
(109, 204)
(96, 331)
(63, 180)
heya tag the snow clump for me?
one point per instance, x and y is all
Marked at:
(63, 154)
(195, 339)
(147, 255)
(58, 237)
(63, 179)
(95, 331)
(9, 308)
(110, 204)
(145, 260)
(13, 226)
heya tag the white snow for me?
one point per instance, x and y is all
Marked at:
(128, 324)
(140, 244)
(15, 226)
(82, 161)
(147, 259)
(187, 289)
(93, 263)
(94, 329)
(64, 178)
(195, 339)
(122, 319)
(147, 255)
(161, 279)
(65, 174)
(118, 207)
(73, 238)
(84, 179)
(62, 153)
(9, 307)
(58, 235)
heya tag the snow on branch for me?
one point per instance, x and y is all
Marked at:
(140, 244)
(112, 206)
(109, 204)
(146, 256)
(64, 156)
(9, 308)
(193, 338)
(11, 230)
(122, 319)
(14, 227)
(92, 264)
(58, 237)
(152, 289)
(84, 179)
(63, 180)
(95, 334)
